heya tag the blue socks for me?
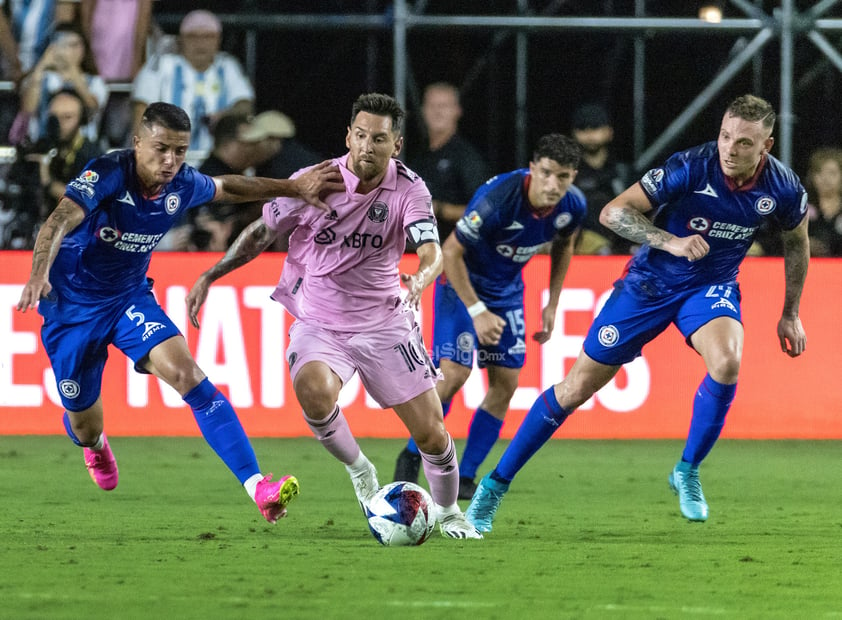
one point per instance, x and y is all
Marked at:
(222, 429)
(543, 419)
(411, 443)
(482, 435)
(710, 406)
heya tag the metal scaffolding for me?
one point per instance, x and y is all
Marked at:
(783, 24)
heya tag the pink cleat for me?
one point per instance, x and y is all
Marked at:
(272, 497)
(102, 466)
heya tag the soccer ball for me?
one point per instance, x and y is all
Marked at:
(401, 514)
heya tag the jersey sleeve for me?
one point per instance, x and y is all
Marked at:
(282, 214)
(794, 205)
(419, 223)
(481, 217)
(100, 180)
(669, 182)
(577, 206)
(202, 187)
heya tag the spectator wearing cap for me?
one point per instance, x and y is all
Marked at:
(200, 78)
(280, 154)
(601, 177)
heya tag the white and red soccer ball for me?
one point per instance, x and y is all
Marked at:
(401, 514)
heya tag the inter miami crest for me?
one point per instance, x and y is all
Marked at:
(378, 212)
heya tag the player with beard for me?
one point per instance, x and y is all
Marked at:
(341, 282)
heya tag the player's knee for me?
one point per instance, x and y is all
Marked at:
(455, 376)
(316, 397)
(181, 375)
(724, 368)
(432, 439)
(497, 399)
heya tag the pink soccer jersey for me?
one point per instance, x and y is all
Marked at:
(342, 267)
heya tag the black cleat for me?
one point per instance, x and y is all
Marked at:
(467, 487)
(407, 467)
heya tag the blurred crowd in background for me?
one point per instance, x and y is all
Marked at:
(82, 72)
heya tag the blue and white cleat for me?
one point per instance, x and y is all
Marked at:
(684, 482)
(485, 502)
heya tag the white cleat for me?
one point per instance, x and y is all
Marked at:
(455, 525)
(365, 485)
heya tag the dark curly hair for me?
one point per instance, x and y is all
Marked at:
(561, 149)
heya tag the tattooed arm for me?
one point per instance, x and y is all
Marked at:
(796, 258)
(66, 216)
(625, 215)
(251, 242)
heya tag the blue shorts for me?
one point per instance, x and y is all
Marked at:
(631, 318)
(78, 351)
(454, 337)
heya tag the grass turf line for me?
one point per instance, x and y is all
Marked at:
(588, 530)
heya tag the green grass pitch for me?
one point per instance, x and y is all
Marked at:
(588, 530)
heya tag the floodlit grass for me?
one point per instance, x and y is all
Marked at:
(588, 530)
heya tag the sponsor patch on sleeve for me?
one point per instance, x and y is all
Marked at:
(83, 187)
(651, 181)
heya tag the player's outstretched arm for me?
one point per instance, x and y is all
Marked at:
(791, 333)
(250, 243)
(64, 218)
(429, 267)
(319, 180)
(625, 215)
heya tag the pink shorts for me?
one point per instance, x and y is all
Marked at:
(392, 361)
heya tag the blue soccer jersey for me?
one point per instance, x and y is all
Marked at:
(105, 258)
(501, 232)
(692, 195)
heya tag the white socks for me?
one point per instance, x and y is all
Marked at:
(250, 485)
